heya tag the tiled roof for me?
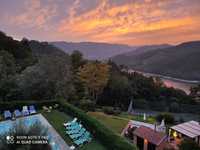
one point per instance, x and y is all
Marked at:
(150, 135)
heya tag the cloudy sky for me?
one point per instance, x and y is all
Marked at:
(133, 22)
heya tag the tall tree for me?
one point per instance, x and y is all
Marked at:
(94, 76)
(195, 93)
(118, 91)
(20, 50)
(48, 79)
(76, 62)
(7, 71)
(7, 64)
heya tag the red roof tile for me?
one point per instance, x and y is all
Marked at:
(149, 134)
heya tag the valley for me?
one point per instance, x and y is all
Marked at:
(176, 83)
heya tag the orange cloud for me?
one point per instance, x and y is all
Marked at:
(111, 23)
(119, 21)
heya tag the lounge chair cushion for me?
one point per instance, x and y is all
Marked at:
(7, 114)
(32, 109)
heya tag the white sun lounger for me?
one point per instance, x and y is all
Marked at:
(70, 122)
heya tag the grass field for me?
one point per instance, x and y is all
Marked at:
(118, 123)
(149, 119)
(115, 123)
(57, 118)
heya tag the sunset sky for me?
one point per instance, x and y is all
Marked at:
(133, 22)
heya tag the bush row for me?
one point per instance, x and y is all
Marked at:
(12, 105)
(190, 108)
(111, 110)
(163, 106)
(169, 118)
(100, 131)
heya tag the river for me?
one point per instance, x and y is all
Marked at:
(184, 85)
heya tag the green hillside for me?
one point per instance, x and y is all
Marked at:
(181, 61)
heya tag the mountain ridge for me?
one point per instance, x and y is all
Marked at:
(94, 50)
(180, 61)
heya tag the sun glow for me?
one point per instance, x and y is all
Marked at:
(129, 22)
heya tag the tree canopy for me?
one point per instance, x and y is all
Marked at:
(32, 70)
(95, 76)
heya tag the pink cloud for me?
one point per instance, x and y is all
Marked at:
(124, 21)
(110, 22)
(34, 15)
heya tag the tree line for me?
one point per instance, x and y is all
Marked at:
(29, 73)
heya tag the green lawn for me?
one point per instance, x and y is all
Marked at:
(57, 118)
(115, 123)
(118, 123)
(149, 119)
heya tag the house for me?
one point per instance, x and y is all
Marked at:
(137, 124)
(148, 139)
(187, 130)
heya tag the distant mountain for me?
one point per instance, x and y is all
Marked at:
(181, 61)
(44, 48)
(92, 50)
(126, 58)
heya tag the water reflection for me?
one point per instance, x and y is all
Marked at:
(176, 83)
(179, 85)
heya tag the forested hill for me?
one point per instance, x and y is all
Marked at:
(19, 51)
(24, 52)
(44, 48)
(181, 61)
(126, 58)
(32, 70)
(92, 50)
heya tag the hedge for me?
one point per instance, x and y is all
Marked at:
(12, 105)
(101, 132)
(162, 106)
(190, 108)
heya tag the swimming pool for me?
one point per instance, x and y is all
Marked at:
(56, 142)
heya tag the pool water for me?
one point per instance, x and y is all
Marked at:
(56, 142)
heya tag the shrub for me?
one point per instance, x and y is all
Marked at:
(87, 105)
(108, 110)
(174, 107)
(12, 105)
(190, 108)
(189, 144)
(158, 105)
(1, 117)
(117, 111)
(105, 135)
(111, 110)
(169, 119)
(181, 120)
(141, 103)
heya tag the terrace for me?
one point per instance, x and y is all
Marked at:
(53, 115)
(52, 119)
(187, 130)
